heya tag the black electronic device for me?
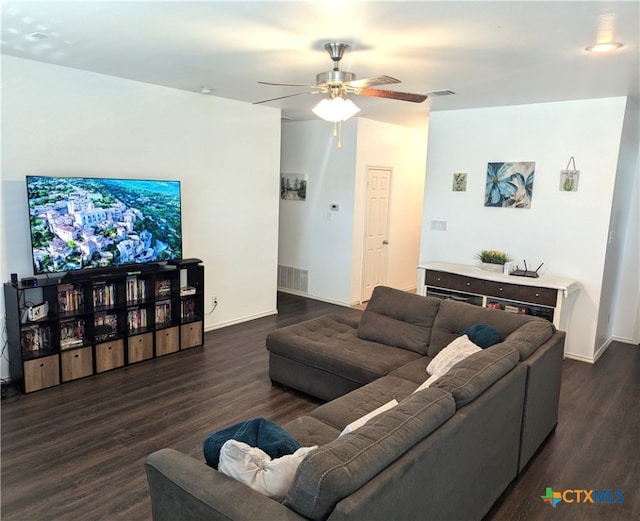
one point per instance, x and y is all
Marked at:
(29, 282)
(185, 262)
(14, 278)
(525, 272)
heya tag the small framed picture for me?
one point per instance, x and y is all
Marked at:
(293, 187)
(569, 180)
(459, 182)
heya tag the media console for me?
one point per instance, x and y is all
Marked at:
(548, 296)
(101, 321)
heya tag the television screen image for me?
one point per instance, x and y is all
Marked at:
(82, 222)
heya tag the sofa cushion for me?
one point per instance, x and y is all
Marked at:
(334, 471)
(483, 335)
(311, 431)
(399, 319)
(472, 376)
(413, 371)
(256, 469)
(343, 410)
(454, 317)
(330, 343)
(528, 337)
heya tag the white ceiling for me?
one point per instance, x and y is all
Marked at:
(488, 53)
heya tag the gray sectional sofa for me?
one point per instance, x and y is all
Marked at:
(445, 452)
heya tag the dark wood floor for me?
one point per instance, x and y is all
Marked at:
(75, 452)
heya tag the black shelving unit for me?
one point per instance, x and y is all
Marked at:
(101, 321)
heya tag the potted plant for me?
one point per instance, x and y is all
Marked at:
(493, 260)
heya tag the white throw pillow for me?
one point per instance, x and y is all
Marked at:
(361, 421)
(255, 468)
(457, 350)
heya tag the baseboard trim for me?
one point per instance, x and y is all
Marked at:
(313, 297)
(228, 323)
(624, 340)
(600, 351)
(579, 358)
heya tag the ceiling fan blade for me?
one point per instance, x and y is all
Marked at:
(283, 97)
(391, 94)
(371, 82)
(287, 84)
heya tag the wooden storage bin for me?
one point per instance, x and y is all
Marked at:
(191, 335)
(41, 373)
(140, 347)
(109, 355)
(167, 341)
(77, 363)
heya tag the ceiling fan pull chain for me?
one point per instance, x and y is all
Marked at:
(340, 134)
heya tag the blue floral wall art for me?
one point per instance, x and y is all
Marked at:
(510, 185)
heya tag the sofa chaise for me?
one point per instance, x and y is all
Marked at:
(444, 452)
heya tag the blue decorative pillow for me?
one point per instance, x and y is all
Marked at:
(482, 335)
(259, 432)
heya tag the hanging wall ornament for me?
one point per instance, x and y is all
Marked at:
(569, 178)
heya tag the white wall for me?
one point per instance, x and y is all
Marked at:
(61, 121)
(329, 244)
(403, 149)
(568, 231)
(308, 239)
(623, 254)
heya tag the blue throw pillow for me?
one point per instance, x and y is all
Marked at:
(482, 335)
(259, 432)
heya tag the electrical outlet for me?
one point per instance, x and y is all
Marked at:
(214, 301)
(440, 226)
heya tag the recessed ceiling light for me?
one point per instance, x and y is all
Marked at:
(603, 47)
(206, 90)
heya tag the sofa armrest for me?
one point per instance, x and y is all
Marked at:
(183, 488)
(540, 413)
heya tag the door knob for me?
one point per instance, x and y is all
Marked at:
(385, 242)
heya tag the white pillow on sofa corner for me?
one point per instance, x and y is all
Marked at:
(364, 419)
(457, 350)
(255, 468)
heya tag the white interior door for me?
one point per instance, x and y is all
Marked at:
(374, 263)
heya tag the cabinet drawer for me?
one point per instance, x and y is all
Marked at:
(190, 335)
(77, 363)
(503, 290)
(140, 347)
(441, 279)
(167, 341)
(540, 296)
(41, 373)
(109, 355)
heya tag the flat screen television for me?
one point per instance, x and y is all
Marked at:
(82, 222)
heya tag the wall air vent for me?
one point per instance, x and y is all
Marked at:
(444, 92)
(293, 279)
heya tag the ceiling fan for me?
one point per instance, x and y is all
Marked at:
(339, 84)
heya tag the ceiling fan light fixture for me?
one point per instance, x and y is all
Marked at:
(603, 47)
(335, 109)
